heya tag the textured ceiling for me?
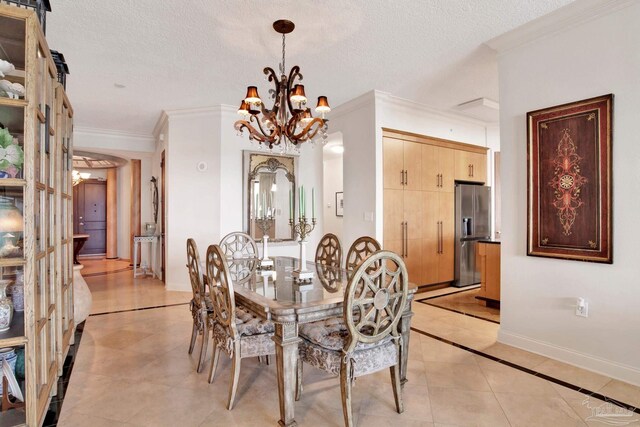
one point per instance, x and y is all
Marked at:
(197, 53)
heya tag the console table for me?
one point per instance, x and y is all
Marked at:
(137, 243)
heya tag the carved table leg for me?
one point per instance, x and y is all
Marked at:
(286, 339)
(404, 327)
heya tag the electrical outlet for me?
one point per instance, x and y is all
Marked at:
(582, 307)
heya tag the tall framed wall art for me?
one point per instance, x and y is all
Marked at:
(569, 181)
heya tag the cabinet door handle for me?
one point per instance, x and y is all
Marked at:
(406, 239)
(402, 177)
(440, 180)
(406, 177)
(472, 170)
(441, 237)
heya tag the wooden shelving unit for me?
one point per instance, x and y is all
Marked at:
(41, 190)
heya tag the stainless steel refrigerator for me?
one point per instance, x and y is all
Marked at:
(473, 223)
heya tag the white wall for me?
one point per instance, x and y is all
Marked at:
(597, 56)
(193, 202)
(333, 183)
(208, 205)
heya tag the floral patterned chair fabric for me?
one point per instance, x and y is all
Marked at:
(238, 245)
(200, 305)
(236, 330)
(367, 338)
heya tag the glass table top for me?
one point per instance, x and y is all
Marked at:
(278, 284)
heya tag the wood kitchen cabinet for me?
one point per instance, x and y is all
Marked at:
(419, 201)
(488, 258)
(470, 166)
(438, 168)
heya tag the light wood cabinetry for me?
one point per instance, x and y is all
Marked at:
(489, 262)
(37, 249)
(438, 168)
(419, 201)
(470, 167)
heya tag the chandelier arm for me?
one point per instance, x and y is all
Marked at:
(273, 77)
(305, 133)
(240, 125)
(295, 72)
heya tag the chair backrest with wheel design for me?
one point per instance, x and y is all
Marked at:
(221, 290)
(193, 264)
(375, 299)
(329, 251)
(238, 245)
(359, 250)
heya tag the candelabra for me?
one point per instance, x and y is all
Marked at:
(303, 228)
(264, 224)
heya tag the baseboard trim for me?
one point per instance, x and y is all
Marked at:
(619, 371)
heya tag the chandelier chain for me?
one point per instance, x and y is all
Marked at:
(283, 50)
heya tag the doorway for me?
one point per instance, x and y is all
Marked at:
(163, 197)
(90, 207)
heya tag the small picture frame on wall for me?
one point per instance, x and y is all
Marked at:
(569, 181)
(340, 203)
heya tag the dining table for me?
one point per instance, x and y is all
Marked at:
(273, 294)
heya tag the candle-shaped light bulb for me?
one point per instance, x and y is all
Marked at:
(290, 204)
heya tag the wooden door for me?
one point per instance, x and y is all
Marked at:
(412, 155)
(446, 168)
(91, 215)
(413, 259)
(430, 168)
(430, 237)
(163, 197)
(446, 214)
(393, 163)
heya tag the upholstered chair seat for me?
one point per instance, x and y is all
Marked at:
(366, 339)
(235, 330)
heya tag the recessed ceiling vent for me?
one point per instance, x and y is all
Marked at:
(482, 109)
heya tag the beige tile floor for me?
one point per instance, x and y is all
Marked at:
(132, 369)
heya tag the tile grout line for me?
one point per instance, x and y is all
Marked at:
(138, 309)
(423, 301)
(529, 371)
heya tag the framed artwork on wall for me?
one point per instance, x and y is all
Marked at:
(569, 181)
(340, 203)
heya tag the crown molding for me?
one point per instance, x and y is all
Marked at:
(569, 16)
(112, 133)
(160, 124)
(395, 101)
(367, 98)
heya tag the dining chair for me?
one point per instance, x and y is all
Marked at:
(239, 245)
(329, 250)
(359, 250)
(200, 305)
(236, 331)
(366, 339)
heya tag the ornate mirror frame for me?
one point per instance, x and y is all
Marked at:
(266, 162)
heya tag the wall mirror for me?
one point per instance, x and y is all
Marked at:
(270, 185)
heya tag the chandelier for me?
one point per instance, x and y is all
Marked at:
(289, 121)
(78, 177)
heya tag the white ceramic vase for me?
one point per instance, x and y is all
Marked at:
(6, 307)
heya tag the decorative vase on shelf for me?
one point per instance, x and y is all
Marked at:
(17, 292)
(6, 307)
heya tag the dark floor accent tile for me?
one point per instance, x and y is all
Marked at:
(139, 309)
(529, 371)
